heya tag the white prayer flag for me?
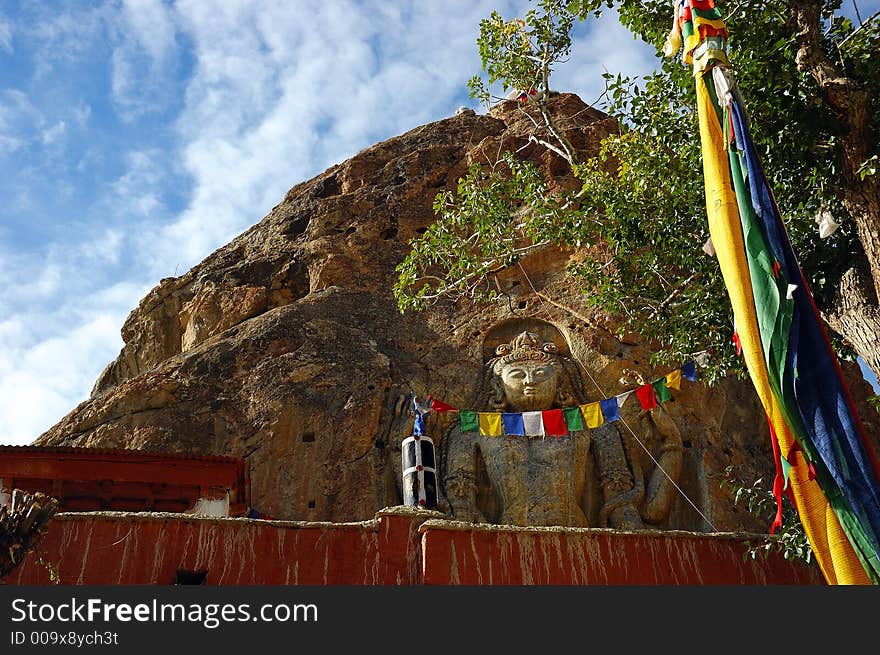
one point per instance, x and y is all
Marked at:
(533, 423)
(708, 247)
(827, 224)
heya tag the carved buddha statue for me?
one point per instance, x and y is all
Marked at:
(590, 478)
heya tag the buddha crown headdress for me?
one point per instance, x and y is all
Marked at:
(526, 346)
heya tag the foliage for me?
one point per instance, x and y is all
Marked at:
(483, 228)
(51, 570)
(791, 540)
(641, 210)
(521, 53)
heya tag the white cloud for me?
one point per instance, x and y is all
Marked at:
(6, 35)
(68, 35)
(278, 91)
(143, 58)
(81, 115)
(137, 191)
(18, 120)
(52, 134)
(39, 381)
(58, 334)
(282, 90)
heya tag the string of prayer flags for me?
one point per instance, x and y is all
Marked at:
(556, 422)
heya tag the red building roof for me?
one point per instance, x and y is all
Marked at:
(89, 479)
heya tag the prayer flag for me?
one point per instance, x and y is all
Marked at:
(437, 406)
(533, 424)
(661, 390)
(593, 415)
(554, 423)
(468, 421)
(490, 424)
(689, 371)
(610, 408)
(832, 473)
(623, 397)
(645, 394)
(573, 419)
(513, 423)
(673, 379)
(420, 407)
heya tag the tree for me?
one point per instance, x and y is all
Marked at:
(811, 88)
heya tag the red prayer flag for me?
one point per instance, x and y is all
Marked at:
(554, 423)
(645, 394)
(437, 406)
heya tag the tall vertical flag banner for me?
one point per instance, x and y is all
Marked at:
(823, 459)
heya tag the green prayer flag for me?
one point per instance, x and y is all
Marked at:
(573, 419)
(661, 390)
(468, 421)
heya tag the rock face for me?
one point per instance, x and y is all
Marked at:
(285, 346)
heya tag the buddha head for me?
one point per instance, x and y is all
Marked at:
(528, 372)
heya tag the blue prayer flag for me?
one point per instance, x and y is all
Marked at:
(609, 409)
(513, 424)
(689, 372)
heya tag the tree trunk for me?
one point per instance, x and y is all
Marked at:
(855, 313)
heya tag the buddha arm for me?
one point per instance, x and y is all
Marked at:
(660, 490)
(622, 491)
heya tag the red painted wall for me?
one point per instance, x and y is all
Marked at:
(399, 546)
(496, 555)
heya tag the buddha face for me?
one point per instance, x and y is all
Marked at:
(529, 385)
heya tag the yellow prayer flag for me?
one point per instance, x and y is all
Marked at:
(490, 424)
(834, 554)
(673, 380)
(592, 415)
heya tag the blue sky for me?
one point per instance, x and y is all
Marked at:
(137, 136)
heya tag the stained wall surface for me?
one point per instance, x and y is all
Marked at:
(399, 546)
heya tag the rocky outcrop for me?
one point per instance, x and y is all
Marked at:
(285, 346)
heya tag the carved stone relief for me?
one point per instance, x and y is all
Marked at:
(590, 478)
